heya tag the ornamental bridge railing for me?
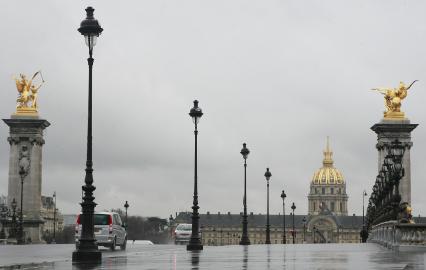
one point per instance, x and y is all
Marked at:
(388, 220)
(399, 236)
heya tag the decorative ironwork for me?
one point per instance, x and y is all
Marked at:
(384, 203)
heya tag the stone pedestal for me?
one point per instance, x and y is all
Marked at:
(26, 143)
(387, 132)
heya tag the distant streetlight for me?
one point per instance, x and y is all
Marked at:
(126, 205)
(268, 236)
(304, 228)
(293, 207)
(364, 233)
(21, 237)
(195, 241)
(13, 234)
(283, 196)
(54, 219)
(244, 238)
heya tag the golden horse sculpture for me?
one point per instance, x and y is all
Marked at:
(28, 91)
(393, 98)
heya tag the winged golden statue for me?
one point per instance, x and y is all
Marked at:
(26, 103)
(393, 98)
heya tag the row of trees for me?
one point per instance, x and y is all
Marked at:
(145, 228)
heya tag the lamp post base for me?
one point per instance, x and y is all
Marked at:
(86, 256)
(194, 246)
(245, 241)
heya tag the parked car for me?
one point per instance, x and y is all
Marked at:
(109, 230)
(183, 233)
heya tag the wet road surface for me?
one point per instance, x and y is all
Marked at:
(319, 256)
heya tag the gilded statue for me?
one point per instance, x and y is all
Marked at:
(404, 215)
(393, 98)
(27, 93)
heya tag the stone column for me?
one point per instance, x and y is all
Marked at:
(26, 142)
(391, 130)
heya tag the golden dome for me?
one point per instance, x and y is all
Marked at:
(327, 174)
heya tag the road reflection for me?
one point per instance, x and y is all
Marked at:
(245, 257)
(195, 259)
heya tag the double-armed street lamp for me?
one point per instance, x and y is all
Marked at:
(87, 249)
(283, 196)
(195, 241)
(126, 205)
(268, 233)
(293, 207)
(244, 238)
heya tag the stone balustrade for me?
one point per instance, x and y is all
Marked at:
(399, 236)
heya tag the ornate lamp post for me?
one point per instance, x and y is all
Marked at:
(244, 238)
(126, 205)
(54, 219)
(87, 250)
(293, 207)
(304, 229)
(268, 234)
(195, 241)
(21, 238)
(283, 197)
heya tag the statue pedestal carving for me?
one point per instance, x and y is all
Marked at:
(389, 130)
(26, 143)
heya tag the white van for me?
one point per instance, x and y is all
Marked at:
(109, 230)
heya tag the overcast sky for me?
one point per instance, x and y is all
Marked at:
(279, 75)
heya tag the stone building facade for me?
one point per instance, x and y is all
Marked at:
(49, 216)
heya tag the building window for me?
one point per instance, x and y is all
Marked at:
(315, 206)
(332, 206)
(323, 190)
(341, 207)
(332, 190)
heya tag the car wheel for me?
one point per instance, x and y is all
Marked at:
(123, 246)
(112, 247)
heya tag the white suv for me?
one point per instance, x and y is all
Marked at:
(109, 230)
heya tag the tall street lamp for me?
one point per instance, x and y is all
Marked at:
(195, 241)
(87, 250)
(293, 207)
(54, 219)
(283, 197)
(304, 228)
(244, 238)
(126, 205)
(268, 237)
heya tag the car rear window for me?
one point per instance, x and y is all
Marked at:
(101, 219)
(184, 227)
